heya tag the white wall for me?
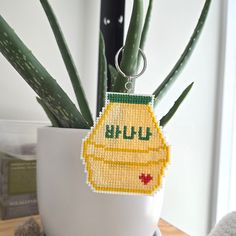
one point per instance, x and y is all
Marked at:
(17, 100)
(190, 133)
(187, 199)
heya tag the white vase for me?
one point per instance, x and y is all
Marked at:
(68, 206)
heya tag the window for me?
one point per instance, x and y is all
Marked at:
(224, 191)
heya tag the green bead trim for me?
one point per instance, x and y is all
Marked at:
(127, 98)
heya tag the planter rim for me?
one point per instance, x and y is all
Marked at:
(24, 122)
(61, 129)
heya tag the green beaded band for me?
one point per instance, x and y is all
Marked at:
(128, 98)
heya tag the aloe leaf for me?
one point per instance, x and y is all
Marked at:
(51, 117)
(145, 28)
(26, 64)
(131, 49)
(102, 71)
(165, 119)
(82, 122)
(68, 61)
(113, 75)
(172, 76)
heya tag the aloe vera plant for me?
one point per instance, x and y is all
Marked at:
(59, 108)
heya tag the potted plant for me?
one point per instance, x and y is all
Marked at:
(66, 203)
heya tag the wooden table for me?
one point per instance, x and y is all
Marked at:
(7, 227)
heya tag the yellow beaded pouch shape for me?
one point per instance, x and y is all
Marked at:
(125, 152)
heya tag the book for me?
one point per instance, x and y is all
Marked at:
(18, 195)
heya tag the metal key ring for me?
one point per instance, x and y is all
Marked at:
(130, 77)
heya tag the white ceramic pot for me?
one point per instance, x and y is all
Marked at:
(68, 206)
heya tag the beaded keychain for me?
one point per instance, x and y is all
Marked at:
(125, 152)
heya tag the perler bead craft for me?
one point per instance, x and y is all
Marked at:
(126, 152)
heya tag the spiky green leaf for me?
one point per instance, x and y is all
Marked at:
(68, 61)
(165, 119)
(51, 117)
(145, 28)
(102, 78)
(172, 76)
(26, 64)
(131, 49)
(113, 75)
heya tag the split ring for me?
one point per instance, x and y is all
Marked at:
(130, 77)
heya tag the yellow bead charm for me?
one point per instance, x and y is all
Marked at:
(126, 152)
